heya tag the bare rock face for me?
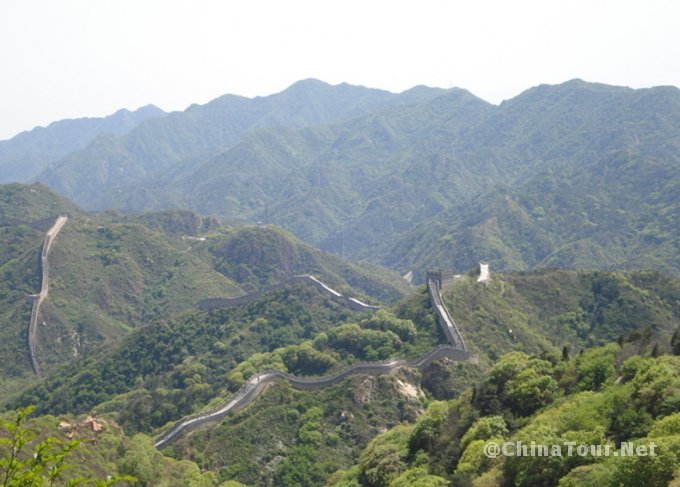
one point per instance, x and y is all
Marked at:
(364, 392)
(93, 424)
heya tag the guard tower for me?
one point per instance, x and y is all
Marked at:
(484, 272)
(443, 277)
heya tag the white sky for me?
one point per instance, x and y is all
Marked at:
(72, 58)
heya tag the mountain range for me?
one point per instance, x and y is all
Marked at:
(25, 156)
(571, 175)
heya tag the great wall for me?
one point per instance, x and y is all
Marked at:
(307, 279)
(436, 281)
(38, 299)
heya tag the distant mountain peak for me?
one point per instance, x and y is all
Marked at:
(308, 83)
(29, 153)
(146, 111)
(422, 90)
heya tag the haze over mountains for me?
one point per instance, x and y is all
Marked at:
(26, 155)
(572, 175)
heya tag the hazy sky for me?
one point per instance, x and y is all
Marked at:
(73, 58)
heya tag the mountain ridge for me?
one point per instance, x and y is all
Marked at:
(180, 137)
(358, 184)
(28, 153)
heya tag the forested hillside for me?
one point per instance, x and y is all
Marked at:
(111, 273)
(165, 370)
(571, 175)
(202, 288)
(179, 143)
(604, 396)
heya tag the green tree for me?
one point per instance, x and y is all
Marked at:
(675, 342)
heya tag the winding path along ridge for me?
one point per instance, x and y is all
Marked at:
(38, 299)
(255, 384)
(305, 279)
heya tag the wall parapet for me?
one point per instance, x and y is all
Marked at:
(306, 279)
(250, 389)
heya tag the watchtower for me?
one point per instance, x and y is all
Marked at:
(443, 277)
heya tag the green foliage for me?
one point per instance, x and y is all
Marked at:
(383, 320)
(649, 470)
(656, 385)
(675, 342)
(593, 475)
(366, 344)
(293, 437)
(112, 273)
(418, 477)
(603, 396)
(152, 358)
(25, 461)
(594, 367)
(428, 426)
(522, 384)
(164, 371)
(385, 457)
(34, 205)
(259, 256)
(484, 429)
(667, 426)
(579, 419)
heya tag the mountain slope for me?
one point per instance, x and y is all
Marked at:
(618, 392)
(110, 273)
(23, 204)
(105, 278)
(616, 212)
(533, 313)
(26, 155)
(599, 191)
(180, 142)
(364, 178)
(611, 397)
(578, 166)
(577, 174)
